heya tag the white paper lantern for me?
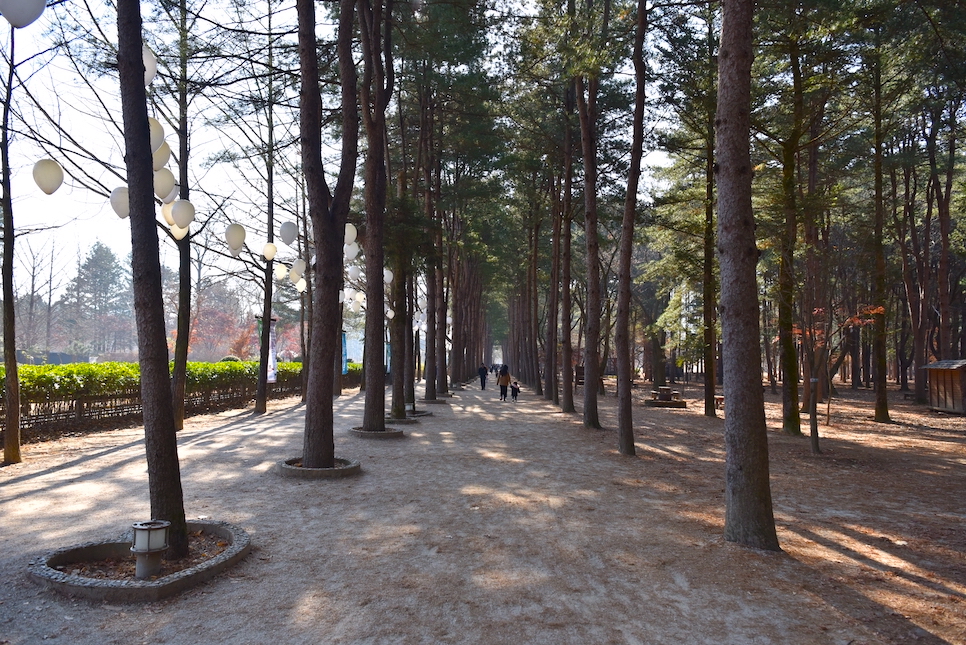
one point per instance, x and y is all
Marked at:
(299, 266)
(301, 285)
(387, 275)
(183, 213)
(166, 213)
(21, 13)
(288, 231)
(150, 64)
(160, 156)
(235, 236)
(280, 271)
(351, 250)
(163, 183)
(294, 276)
(157, 133)
(178, 232)
(120, 203)
(269, 251)
(390, 314)
(48, 175)
(173, 195)
(353, 272)
(350, 233)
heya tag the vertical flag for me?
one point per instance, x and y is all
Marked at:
(272, 361)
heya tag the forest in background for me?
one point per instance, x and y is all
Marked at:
(858, 179)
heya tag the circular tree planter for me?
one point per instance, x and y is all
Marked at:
(434, 401)
(388, 433)
(292, 468)
(44, 570)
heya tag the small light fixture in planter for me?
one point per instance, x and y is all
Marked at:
(150, 541)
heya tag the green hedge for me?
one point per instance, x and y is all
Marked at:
(49, 382)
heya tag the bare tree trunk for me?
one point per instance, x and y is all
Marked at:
(749, 519)
(160, 439)
(328, 213)
(11, 430)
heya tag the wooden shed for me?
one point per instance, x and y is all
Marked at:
(947, 386)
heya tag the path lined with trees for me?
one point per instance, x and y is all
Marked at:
(490, 161)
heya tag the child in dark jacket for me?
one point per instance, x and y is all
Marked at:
(514, 390)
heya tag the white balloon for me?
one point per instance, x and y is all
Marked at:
(387, 275)
(355, 306)
(48, 175)
(350, 233)
(21, 13)
(299, 265)
(120, 203)
(342, 296)
(449, 320)
(360, 296)
(178, 232)
(163, 183)
(280, 271)
(235, 236)
(161, 155)
(353, 272)
(269, 251)
(157, 133)
(173, 195)
(288, 232)
(294, 276)
(234, 252)
(166, 213)
(150, 64)
(183, 213)
(351, 250)
(349, 293)
(390, 314)
(301, 285)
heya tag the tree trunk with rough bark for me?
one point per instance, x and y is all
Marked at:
(749, 518)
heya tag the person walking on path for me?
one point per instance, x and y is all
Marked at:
(514, 391)
(503, 380)
(482, 373)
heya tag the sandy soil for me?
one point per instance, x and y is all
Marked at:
(497, 522)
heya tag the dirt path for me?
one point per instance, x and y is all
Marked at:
(497, 522)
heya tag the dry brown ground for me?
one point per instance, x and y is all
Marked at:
(497, 522)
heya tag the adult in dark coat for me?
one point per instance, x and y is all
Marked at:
(482, 372)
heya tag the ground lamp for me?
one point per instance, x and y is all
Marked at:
(48, 175)
(150, 542)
